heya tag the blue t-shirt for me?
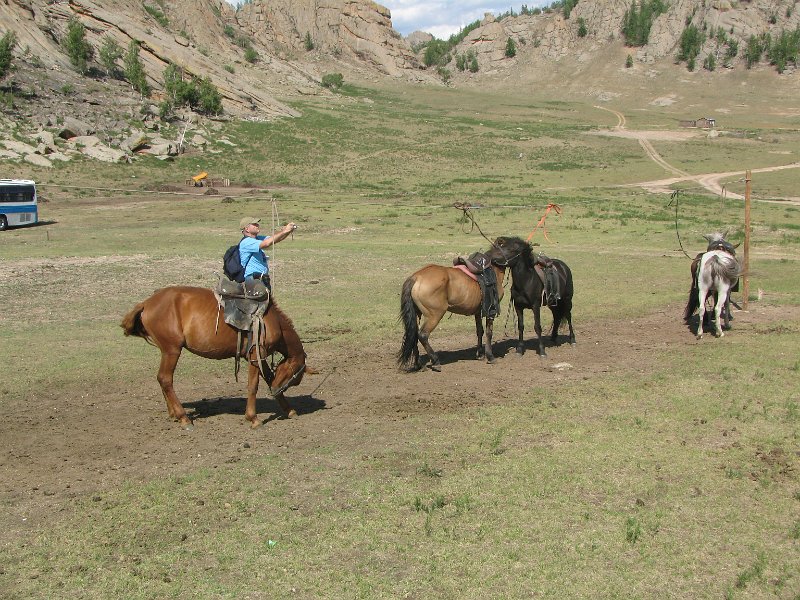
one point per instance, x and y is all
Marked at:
(252, 257)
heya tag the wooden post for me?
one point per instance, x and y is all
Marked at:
(746, 277)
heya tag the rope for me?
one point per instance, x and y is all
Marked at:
(275, 223)
(674, 196)
(467, 208)
(541, 223)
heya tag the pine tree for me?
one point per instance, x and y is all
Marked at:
(511, 48)
(110, 53)
(76, 46)
(7, 43)
(134, 71)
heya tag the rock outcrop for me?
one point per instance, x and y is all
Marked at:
(548, 37)
(357, 30)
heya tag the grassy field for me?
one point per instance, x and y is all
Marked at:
(673, 475)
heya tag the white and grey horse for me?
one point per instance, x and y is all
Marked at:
(717, 271)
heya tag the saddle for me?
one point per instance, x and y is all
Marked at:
(244, 305)
(478, 265)
(548, 273)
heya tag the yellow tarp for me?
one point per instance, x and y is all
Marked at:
(201, 176)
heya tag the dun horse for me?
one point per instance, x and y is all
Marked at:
(430, 293)
(528, 289)
(178, 317)
(715, 271)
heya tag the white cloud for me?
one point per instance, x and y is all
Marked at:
(445, 17)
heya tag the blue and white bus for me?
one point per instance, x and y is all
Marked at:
(18, 205)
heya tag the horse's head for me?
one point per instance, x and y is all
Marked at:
(717, 241)
(505, 251)
(289, 372)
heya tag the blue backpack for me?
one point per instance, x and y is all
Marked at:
(232, 263)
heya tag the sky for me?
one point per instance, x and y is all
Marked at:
(442, 18)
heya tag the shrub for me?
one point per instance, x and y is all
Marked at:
(7, 44)
(582, 31)
(436, 53)
(473, 63)
(444, 73)
(511, 48)
(156, 13)
(165, 110)
(250, 54)
(199, 94)
(629, 62)
(110, 53)
(210, 100)
(76, 46)
(134, 70)
(710, 63)
(333, 81)
(733, 49)
(309, 43)
(567, 6)
(229, 68)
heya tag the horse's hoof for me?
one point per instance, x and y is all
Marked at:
(291, 414)
(543, 356)
(491, 360)
(255, 423)
(187, 426)
(573, 344)
(435, 367)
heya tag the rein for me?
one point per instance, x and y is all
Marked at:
(468, 215)
(289, 381)
(541, 223)
(674, 196)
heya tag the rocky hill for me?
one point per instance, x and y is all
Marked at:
(267, 52)
(582, 39)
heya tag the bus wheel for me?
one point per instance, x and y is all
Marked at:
(3, 223)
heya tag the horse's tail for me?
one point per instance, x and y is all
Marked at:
(132, 323)
(693, 303)
(409, 316)
(725, 267)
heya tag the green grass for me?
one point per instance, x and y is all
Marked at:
(614, 486)
(575, 490)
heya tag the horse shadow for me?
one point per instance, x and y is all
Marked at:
(708, 324)
(206, 408)
(501, 349)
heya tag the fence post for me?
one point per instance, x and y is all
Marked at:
(746, 277)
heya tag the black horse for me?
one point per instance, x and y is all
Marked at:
(528, 288)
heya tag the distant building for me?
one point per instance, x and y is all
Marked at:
(702, 122)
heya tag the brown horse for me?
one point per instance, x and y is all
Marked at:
(429, 294)
(179, 317)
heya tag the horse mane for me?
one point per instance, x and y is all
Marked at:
(515, 245)
(290, 335)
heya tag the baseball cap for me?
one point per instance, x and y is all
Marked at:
(246, 221)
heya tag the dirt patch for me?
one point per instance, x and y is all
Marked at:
(658, 136)
(81, 442)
